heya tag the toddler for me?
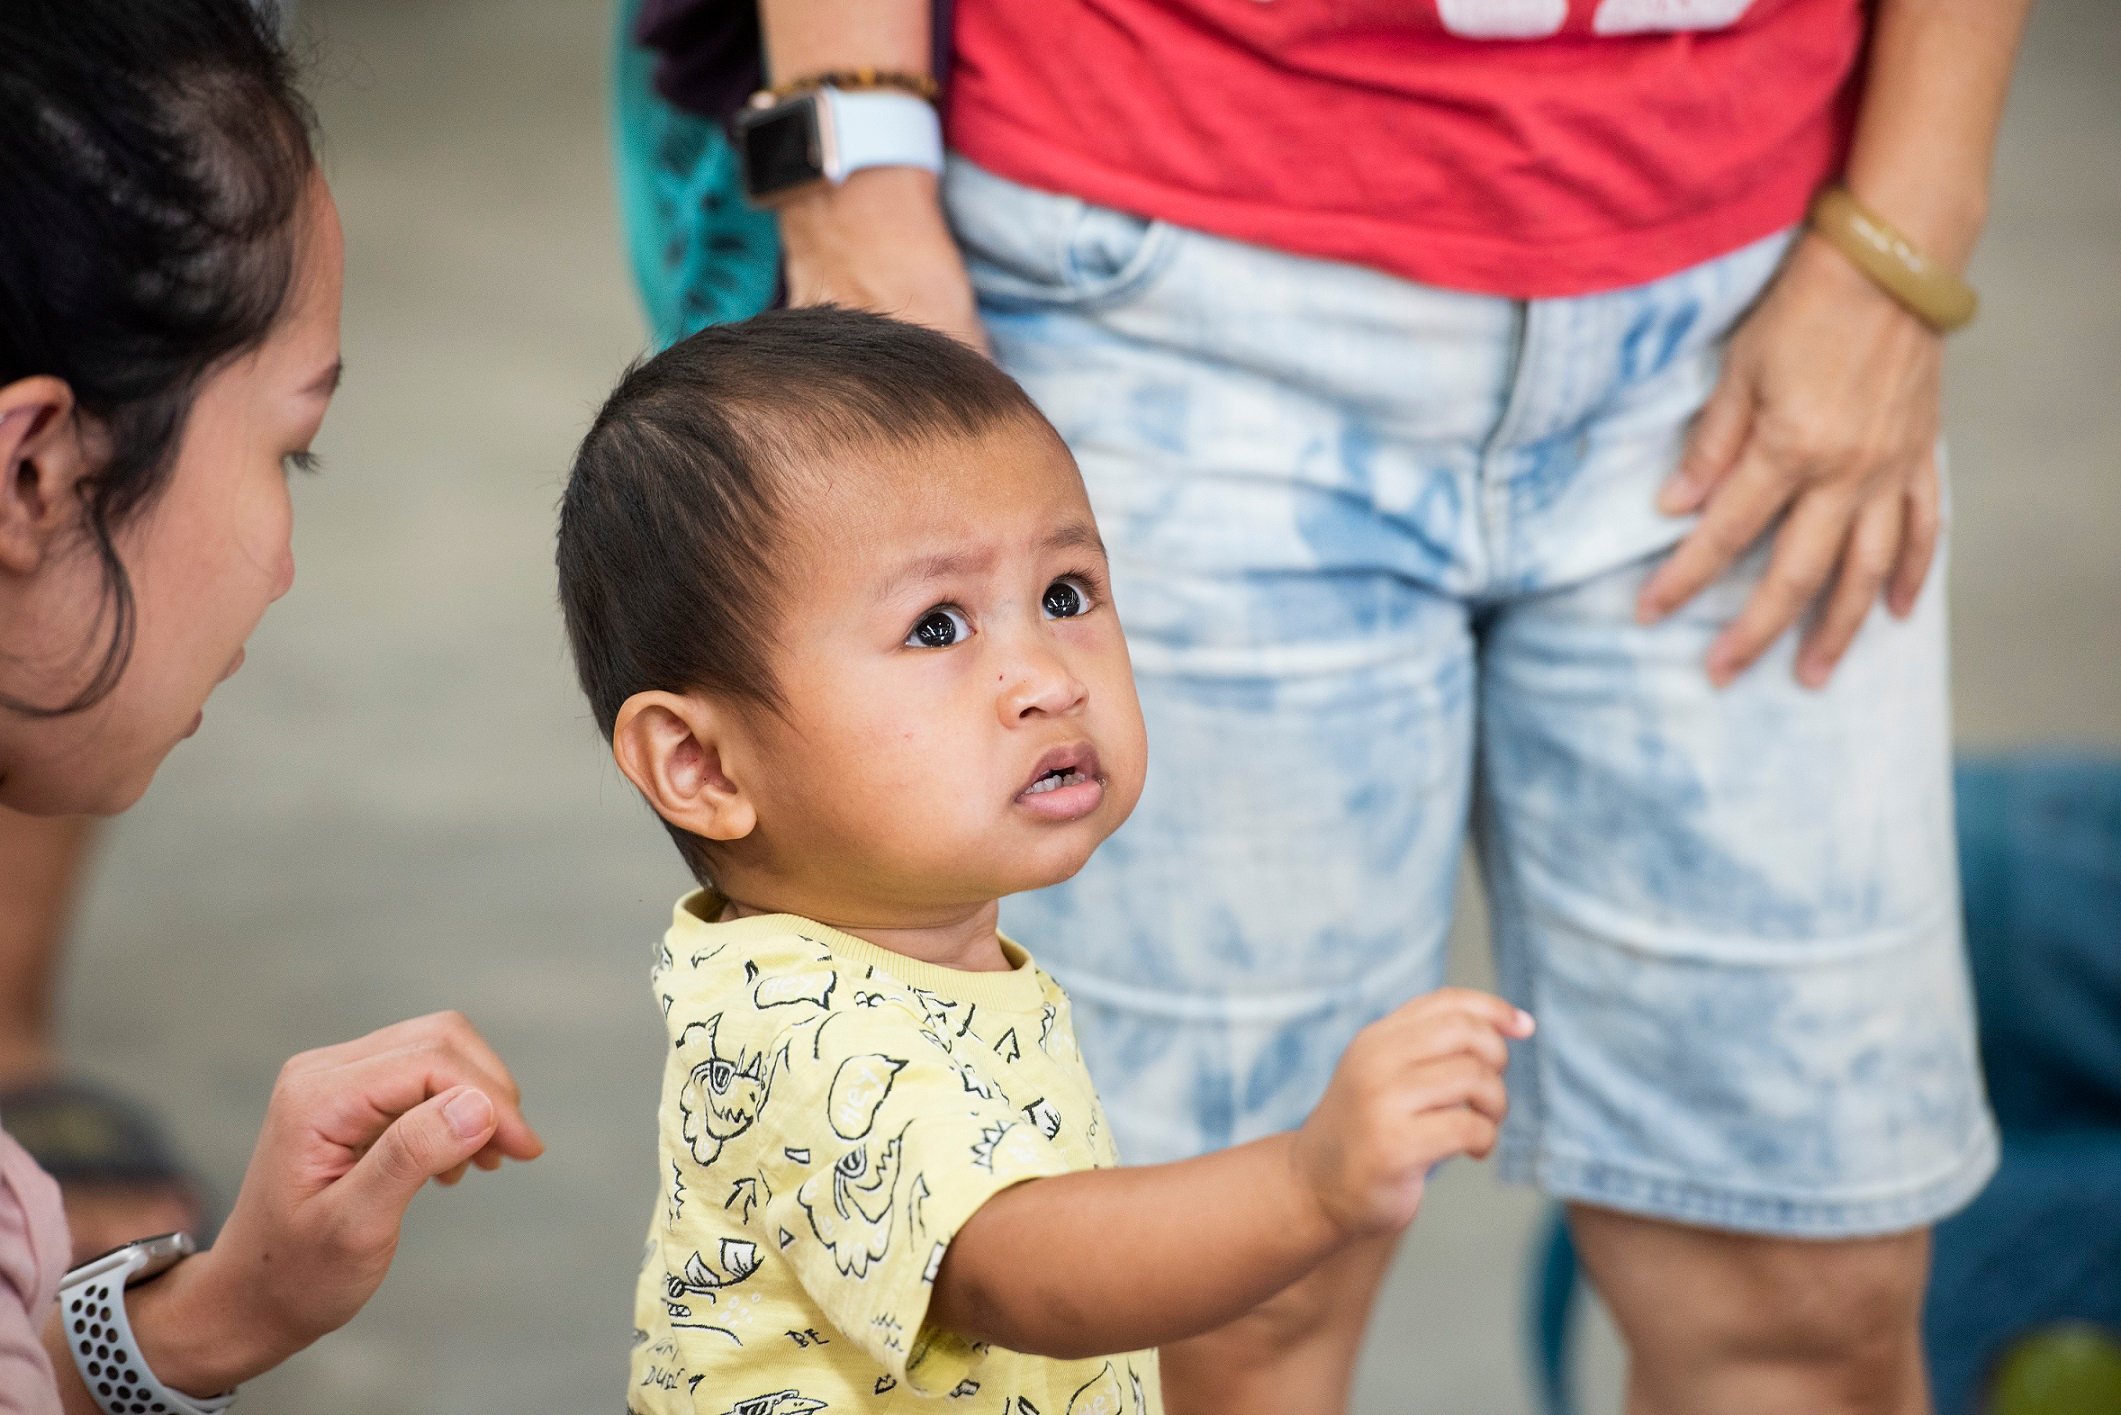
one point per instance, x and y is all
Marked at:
(836, 597)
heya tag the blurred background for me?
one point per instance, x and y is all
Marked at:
(401, 803)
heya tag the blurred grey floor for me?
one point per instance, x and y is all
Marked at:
(401, 804)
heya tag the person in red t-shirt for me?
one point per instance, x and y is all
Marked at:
(1477, 433)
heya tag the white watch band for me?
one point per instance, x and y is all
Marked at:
(878, 128)
(98, 1332)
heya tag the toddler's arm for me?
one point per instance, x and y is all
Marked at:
(1120, 1259)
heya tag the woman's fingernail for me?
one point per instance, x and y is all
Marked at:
(470, 1114)
(1526, 1023)
(1676, 497)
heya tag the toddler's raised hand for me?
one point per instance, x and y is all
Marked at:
(1145, 1255)
(1413, 1088)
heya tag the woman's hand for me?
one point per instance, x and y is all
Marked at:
(879, 242)
(1827, 416)
(351, 1134)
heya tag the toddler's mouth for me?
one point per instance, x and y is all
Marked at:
(1065, 785)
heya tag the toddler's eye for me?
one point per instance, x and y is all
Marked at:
(939, 628)
(1066, 599)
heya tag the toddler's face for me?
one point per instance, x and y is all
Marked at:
(961, 714)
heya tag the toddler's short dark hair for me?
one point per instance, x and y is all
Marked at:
(676, 511)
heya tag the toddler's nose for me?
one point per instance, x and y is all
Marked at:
(1040, 685)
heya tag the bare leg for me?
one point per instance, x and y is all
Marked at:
(1761, 1326)
(40, 866)
(1294, 1354)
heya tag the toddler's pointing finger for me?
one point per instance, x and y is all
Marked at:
(1481, 1007)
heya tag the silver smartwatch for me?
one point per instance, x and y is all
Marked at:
(98, 1332)
(829, 134)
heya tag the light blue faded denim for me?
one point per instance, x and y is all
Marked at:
(1377, 548)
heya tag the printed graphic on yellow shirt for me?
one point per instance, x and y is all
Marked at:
(832, 1114)
(722, 1096)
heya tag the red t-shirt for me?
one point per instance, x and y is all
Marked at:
(1517, 147)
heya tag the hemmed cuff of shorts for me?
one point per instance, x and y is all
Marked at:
(1702, 1205)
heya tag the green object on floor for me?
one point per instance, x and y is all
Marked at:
(2069, 1369)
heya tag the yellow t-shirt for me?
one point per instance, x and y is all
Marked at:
(832, 1113)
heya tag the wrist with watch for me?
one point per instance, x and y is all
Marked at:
(99, 1331)
(824, 128)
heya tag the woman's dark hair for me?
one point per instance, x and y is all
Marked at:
(153, 160)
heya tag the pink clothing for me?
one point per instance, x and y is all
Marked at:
(33, 1257)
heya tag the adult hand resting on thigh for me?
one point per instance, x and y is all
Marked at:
(1827, 411)
(1826, 416)
(351, 1134)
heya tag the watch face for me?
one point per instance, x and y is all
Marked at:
(157, 1254)
(779, 147)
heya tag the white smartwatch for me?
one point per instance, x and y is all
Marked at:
(828, 134)
(98, 1332)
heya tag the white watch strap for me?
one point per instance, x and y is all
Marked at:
(98, 1332)
(880, 128)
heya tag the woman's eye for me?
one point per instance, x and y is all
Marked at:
(1066, 599)
(300, 462)
(939, 628)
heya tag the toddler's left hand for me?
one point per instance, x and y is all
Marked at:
(1413, 1088)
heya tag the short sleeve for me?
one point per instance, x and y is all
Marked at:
(33, 1254)
(905, 1139)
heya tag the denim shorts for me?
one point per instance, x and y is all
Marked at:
(1377, 547)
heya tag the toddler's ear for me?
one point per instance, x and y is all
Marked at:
(670, 747)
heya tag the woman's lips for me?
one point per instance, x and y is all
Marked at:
(227, 673)
(1065, 786)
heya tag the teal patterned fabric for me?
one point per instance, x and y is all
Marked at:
(700, 255)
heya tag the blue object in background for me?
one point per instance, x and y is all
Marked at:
(1557, 1295)
(2040, 858)
(701, 255)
